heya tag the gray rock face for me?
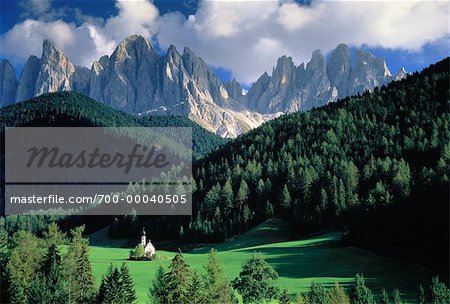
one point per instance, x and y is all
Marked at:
(400, 74)
(367, 73)
(234, 89)
(338, 69)
(136, 79)
(291, 88)
(8, 83)
(27, 79)
(80, 80)
(128, 80)
(56, 71)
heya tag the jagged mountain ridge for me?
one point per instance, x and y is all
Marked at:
(293, 88)
(136, 79)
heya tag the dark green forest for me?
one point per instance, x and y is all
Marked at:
(70, 109)
(375, 166)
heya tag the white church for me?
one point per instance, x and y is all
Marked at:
(149, 249)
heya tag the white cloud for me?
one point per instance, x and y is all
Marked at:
(83, 44)
(26, 38)
(245, 37)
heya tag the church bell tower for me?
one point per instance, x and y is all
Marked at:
(143, 238)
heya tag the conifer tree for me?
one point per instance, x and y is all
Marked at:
(50, 276)
(23, 266)
(440, 294)
(360, 293)
(177, 280)
(85, 288)
(317, 294)
(70, 265)
(299, 299)
(384, 297)
(337, 295)
(285, 198)
(157, 293)
(396, 297)
(53, 235)
(421, 295)
(196, 290)
(113, 288)
(127, 292)
(269, 210)
(218, 290)
(284, 297)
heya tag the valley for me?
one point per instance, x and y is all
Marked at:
(321, 258)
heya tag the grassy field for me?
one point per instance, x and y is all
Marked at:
(298, 263)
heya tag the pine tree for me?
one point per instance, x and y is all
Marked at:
(85, 290)
(269, 210)
(337, 295)
(254, 282)
(284, 297)
(360, 293)
(157, 293)
(285, 198)
(421, 295)
(227, 194)
(440, 294)
(243, 192)
(177, 280)
(70, 265)
(396, 297)
(113, 286)
(101, 291)
(53, 235)
(195, 290)
(127, 293)
(384, 297)
(23, 266)
(299, 299)
(317, 294)
(218, 290)
(51, 276)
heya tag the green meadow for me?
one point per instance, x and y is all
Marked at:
(320, 258)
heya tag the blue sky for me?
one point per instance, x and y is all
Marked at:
(239, 39)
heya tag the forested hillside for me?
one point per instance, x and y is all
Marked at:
(70, 109)
(376, 164)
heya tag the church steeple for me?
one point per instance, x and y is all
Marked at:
(143, 238)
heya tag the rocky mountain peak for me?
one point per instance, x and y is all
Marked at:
(51, 55)
(133, 46)
(284, 62)
(55, 72)
(338, 68)
(233, 88)
(400, 74)
(27, 79)
(317, 61)
(136, 79)
(172, 54)
(8, 83)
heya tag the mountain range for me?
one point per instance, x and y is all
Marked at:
(136, 79)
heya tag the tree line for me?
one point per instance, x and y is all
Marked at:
(35, 271)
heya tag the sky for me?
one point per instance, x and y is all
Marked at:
(238, 39)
